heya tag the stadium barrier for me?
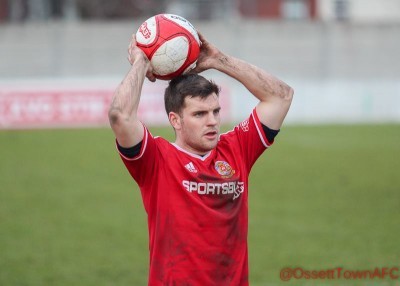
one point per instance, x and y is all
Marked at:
(51, 104)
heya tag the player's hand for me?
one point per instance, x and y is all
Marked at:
(208, 55)
(135, 54)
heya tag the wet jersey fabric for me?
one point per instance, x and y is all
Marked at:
(197, 206)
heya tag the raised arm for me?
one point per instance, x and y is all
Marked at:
(123, 110)
(274, 95)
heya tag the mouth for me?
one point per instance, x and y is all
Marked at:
(211, 135)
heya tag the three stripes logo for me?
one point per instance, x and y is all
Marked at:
(191, 168)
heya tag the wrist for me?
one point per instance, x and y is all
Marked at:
(139, 66)
(137, 56)
(223, 62)
(141, 58)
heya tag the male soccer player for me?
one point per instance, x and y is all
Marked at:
(195, 190)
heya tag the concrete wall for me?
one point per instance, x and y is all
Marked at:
(340, 72)
(371, 11)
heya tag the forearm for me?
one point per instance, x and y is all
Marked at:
(274, 95)
(125, 103)
(126, 98)
(261, 84)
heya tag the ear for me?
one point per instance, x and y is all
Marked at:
(175, 120)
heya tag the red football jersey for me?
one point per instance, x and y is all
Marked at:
(197, 206)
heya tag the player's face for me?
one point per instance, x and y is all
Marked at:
(199, 124)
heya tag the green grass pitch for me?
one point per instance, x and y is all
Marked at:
(322, 197)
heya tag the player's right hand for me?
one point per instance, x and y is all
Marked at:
(135, 53)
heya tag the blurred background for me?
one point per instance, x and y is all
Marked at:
(71, 215)
(341, 55)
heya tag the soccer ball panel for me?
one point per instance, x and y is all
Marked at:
(147, 32)
(176, 48)
(185, 24)
(170, 56)
(163, 67)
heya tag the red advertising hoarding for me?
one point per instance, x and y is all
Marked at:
(75, 105)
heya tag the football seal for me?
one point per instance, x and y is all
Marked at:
(224, 169)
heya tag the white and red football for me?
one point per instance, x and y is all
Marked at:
(171, 43)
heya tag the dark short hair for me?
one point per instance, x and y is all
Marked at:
(192, 85)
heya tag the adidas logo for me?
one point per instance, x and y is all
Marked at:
(191, 168)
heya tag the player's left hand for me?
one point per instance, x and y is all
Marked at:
(208, 55)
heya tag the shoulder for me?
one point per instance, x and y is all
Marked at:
(162, 142)
(163, 146)
(228, 141)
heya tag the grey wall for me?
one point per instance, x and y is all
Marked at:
(344, 64)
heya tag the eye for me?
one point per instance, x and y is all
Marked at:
(216, 111)
(199, 114)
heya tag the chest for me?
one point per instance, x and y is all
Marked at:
(214, 180)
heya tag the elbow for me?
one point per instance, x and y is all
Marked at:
(289, 94)
(286, 94)
(119, 120)
(114, 116)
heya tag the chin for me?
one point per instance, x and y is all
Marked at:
(212, 145)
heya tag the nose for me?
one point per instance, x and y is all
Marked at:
(212, 119)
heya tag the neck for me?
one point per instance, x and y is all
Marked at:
(190, 149)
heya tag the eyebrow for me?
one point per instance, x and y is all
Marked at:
(217, 109)
(206, 110)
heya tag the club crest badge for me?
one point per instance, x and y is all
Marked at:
(224, 169)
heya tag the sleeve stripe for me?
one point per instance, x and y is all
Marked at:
(141, 151)
(260, 132)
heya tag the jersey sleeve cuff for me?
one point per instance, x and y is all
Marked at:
(142, 149)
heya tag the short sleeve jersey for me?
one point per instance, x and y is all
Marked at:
(197, 206)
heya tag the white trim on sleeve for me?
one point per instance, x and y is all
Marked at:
(144, 142)
(259, 131)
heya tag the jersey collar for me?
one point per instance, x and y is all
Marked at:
(202, 158)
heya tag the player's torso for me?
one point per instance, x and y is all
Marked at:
(200, 214)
